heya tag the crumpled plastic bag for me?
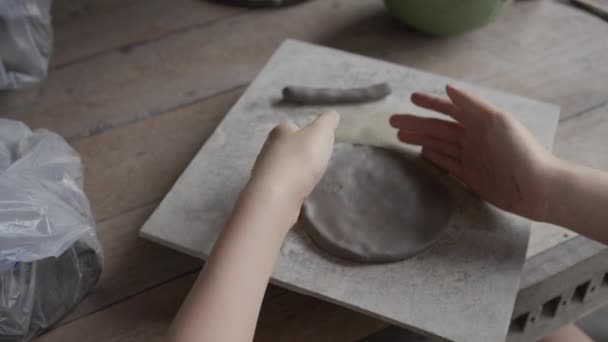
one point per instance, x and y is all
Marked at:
(26, 39)
(50, 256)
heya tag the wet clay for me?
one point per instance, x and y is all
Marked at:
(374, 205)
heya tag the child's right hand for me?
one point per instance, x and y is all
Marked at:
(293, 160)
(486, 148)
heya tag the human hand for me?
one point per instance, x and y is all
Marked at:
(485, 148)
(292, 160)
(224, 303)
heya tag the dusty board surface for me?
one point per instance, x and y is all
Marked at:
(462, 288)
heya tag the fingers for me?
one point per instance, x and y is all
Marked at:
(461, 104)
(469, 103)
(328, 120)
(451, 132)
(436, 104)
(452, 150)
(443, 161)
(323, 127)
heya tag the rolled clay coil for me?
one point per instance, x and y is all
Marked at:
(308, 95)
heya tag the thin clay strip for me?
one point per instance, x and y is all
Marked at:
(308, 95)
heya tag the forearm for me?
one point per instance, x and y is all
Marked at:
(224, 303)
(578, 200)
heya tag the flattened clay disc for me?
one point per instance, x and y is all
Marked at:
(373, 205)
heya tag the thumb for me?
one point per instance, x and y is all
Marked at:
(324, 123)
(282, 129)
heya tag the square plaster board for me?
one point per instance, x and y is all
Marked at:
(462, 288)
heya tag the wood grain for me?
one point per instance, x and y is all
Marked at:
(583, 139)
(520, 52)
(66, 10)
(288, 316)
(296, 317)
(131, 264)
(141, 318)
(131, 166)
(127, 171)
(85, 29)
(539, 49)
(131, 89)
(121, 86)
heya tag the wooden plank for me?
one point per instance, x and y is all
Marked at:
(147, 316)
(127, 170)
(583, 139)
(121, 86)
(141, 318)
(125, 85)
(108, 187)
(131, 166)
(131, 264)
(558, 55)
(296, 317)
(84, 29)
(65, 10)
(546, 50)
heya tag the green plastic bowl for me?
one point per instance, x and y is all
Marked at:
(445, 17)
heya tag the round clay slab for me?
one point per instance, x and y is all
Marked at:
(374, 205)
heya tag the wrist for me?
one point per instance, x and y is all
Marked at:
(274, 199)
(558, 173)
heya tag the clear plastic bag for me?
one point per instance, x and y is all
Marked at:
(50, 256)
(26, 38)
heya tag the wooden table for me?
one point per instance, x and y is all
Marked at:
(136, 86)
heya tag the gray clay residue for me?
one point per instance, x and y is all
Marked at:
(374, 205)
